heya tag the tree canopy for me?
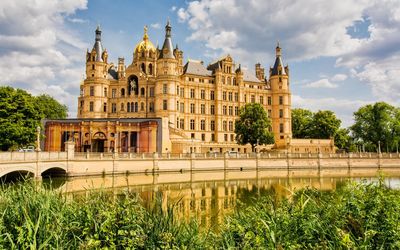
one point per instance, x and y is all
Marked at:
(376, 124)
(321, 125)
(253, 126)
(21, 113)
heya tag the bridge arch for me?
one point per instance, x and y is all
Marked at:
(16, 174)
(54, 172)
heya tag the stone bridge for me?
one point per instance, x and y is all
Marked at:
(70, 163)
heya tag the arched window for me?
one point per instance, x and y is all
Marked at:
(150, 69)
(133, 85)
(136, 107)
(122, 92)
(122, 107)
(142, 91)
(141, 106)
(228, 81)
(142, 53)
(128, 107)
(143, 67)
(132, 107)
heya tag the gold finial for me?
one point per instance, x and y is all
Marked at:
(145, 36)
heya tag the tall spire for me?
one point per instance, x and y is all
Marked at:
(167, 49)
(278, 50)
(278, 68)
(98, 47)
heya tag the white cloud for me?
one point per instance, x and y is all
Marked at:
(173, 8)
(77, 20)
(182, 15)
(322, 83)
(339, 77)
(155, 25)
(248, 30)
(38, 53)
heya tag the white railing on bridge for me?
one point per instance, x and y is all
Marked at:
(54, 156)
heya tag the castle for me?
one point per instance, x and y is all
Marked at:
(159, 103)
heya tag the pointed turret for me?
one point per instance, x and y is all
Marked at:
(167, 49)
(278, 68)
(98, 47)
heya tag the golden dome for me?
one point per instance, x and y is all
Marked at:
(145, 44)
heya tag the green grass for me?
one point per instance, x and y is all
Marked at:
(356, 216)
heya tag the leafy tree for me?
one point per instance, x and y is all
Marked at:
(253, 126)
(325, 124)
(50, 108)
(301, 123)
(19, 117)
(377, 124)
(21, 113)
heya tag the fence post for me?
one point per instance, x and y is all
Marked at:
(349, 165)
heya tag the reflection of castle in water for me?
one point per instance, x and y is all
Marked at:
(207, 201)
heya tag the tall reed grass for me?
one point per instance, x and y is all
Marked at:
(355, 216)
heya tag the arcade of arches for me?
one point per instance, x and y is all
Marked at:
(104, 135)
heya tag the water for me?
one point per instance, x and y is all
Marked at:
(209, 196)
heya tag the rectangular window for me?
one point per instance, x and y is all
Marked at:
(203, 137)
(236, 111)
(165, 104)
(225, 137)
(203, 125)
(224, 126)
(232, 137)
(203, 109)
(192, 124)
(245, 98)
(236, 97)
(182, 107)
(91, 90)
(269, 100)
(281, 113)
(151, 107)
(203, 94)
(262, 100)
(212, 97)
(177, 90)
(192, 93)
(114, 108)
(280, 100)
(212, 137)
(182, 123)
(105, 107)
(182, 92)
(230, 125)
(212, 125)
(151, 91)
(91, 106)
(113, 93)
(192, 108)
(269, 113)
(105, 92)
(230, 110)
(253, 99)
(192, 135)
(224, 110)
(230, 96)
(281, 128)
(165, 89)
(224, 95)
(212, 109)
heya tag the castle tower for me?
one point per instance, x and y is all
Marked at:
(92, 102)
(167, 79)
(281, 102)
(260, 72)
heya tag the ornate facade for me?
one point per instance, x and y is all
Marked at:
(199, 103)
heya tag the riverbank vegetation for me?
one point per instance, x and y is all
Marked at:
(354, 216)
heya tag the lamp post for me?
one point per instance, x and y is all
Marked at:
(379, 147)
(38, 139)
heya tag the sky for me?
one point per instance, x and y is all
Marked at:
(341, 54)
